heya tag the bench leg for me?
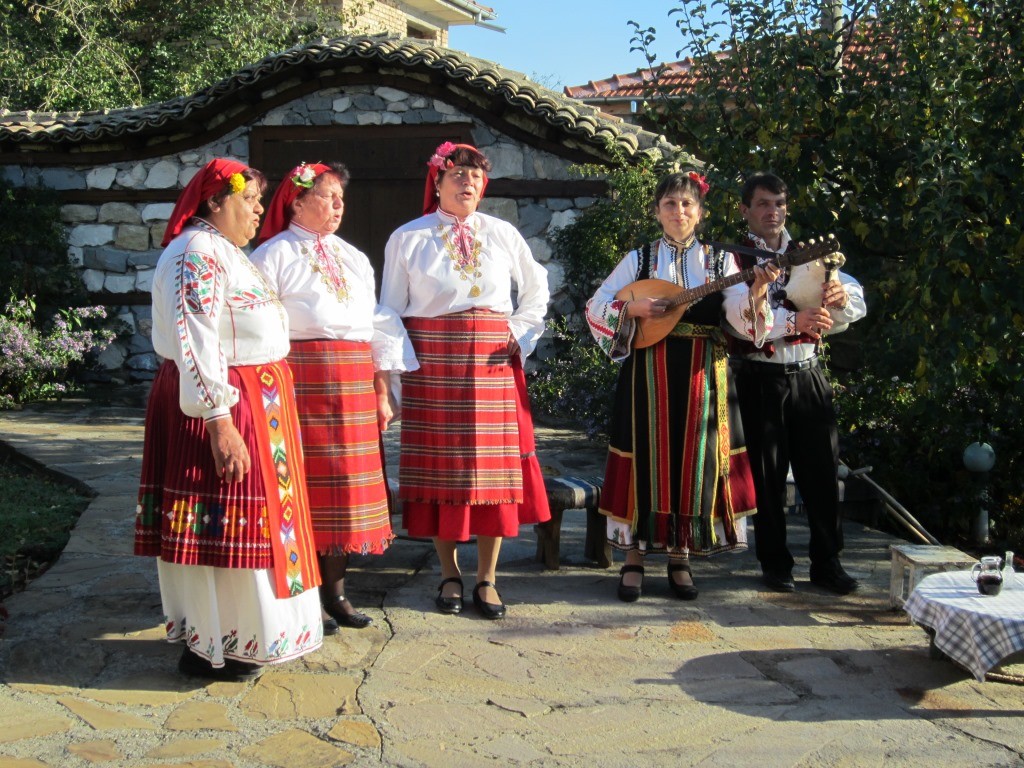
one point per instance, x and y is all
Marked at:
(597, 546)
(549, 539)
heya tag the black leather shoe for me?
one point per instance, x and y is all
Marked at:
(449, 604)
(330, 627)
(832, 577)
(352, 618)
(630, 594)
(778, 581)
(682, 591)
(487, 610)
(233, 671)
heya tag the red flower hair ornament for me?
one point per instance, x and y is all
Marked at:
(700, 181)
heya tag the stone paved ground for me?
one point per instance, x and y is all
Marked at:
(571, 678)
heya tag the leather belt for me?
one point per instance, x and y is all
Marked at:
(778, 369)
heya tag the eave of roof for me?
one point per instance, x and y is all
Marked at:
(289, 74)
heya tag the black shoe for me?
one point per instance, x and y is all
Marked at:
(233, 671)
(630, 594)
(682, 591)
(330, 627)
(449, 604)
(487, 610)
(351, 618)
(832, 577)
(778, 581)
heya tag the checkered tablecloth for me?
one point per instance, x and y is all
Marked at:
(975, 630)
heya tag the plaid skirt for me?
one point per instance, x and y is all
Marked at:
(468, 463)
(342, 444)
(187, 515)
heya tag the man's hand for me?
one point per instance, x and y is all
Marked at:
(835, 295)
(813, 322)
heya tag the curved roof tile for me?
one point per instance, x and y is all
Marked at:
(199, 112)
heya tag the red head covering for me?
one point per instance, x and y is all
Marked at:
(279, 212)
(204, 185)
(438, 161)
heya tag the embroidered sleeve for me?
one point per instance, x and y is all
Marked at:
(200, 289)
(749, 322)
(605, 314)
(390, 345)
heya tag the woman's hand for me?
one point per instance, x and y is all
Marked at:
(647, 308)
(382, 388)
(813, 322)
(764, 275)
(230, 456)
(513, 346)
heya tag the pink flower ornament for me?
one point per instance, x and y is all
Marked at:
(440, 159)
(303, 176)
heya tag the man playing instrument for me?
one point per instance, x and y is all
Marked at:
(786, 401)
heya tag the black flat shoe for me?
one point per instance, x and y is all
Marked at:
(233, 671)
(449, 604)
(778, 581)
(330, 627)
(487, 610)
(353, 618)
(630, 594)
(682, 591)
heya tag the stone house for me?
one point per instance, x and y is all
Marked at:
(378, 104)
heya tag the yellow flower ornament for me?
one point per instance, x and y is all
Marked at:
(237, 182)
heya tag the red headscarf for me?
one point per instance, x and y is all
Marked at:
(438, 161)
(204, 185)
(279, 212)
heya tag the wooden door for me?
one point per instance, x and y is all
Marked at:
(388, 165)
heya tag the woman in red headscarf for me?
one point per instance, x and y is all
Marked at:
(343, 348)
(222, 500)
(468, 466)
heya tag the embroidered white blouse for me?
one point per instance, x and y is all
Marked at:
(782, 321)
(614, 334)
(426, 275)
(328, 290)
(212, 310)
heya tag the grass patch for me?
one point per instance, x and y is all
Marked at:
(36, 516)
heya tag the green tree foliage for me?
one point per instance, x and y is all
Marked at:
(99, 54)
(911, 148)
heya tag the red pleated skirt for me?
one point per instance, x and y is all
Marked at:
(188, 515)
(341, 441)
(469, 465)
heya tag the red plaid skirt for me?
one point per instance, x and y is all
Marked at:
(341, 441)
(469, 464)
(187, 515)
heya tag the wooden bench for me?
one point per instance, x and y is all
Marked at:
(912, 562)
(573, 493)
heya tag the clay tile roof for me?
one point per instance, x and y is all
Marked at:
(481, 81)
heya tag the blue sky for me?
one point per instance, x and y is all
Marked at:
(568, 42)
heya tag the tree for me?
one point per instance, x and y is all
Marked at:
(900, 129)
(102, 54)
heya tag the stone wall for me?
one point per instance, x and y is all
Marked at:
(116, 244)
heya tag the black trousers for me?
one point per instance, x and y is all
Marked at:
(788, 419)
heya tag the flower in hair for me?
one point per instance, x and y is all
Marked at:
(303, 176)
(440, 159)
(237, 183)
(700, 181)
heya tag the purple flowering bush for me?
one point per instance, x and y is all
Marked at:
(39, 364)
